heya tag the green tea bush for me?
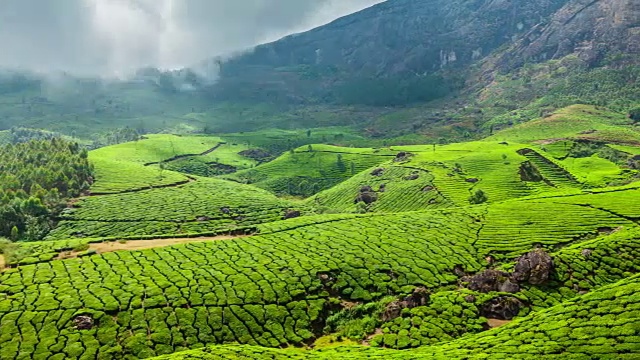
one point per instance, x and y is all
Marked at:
(200, 206)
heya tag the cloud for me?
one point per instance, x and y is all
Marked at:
(116, 37)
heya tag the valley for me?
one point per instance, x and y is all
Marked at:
(416, 180)
(385, 248)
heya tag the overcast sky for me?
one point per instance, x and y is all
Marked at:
(115, 37)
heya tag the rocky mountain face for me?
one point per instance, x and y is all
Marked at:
(596, 31)
(401, 36)
(411, 46)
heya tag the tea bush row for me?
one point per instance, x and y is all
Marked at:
(600, 325)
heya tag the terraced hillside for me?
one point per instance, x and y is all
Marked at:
(581, 328)
(583, 122)
(425, 249)
(310, 169)
(428, 176)
(281, 288)
(148, 163)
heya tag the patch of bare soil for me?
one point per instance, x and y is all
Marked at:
(366, 341)
(494, 323)
(549, 141)
(131, 245)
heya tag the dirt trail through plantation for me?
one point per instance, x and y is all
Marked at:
(494, 323)
(132, 245)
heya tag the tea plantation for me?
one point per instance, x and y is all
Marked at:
(502, 248)
(599, 325)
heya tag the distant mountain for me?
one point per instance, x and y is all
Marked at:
(406, 51)
(445, 69)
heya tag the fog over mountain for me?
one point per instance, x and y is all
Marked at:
(116, 37)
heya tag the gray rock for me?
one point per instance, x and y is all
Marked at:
(83, 322)
(486, 281)
(534, 267)
(502, 308)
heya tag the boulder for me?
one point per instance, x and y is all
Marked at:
(402, 156)
(534, 267)
(377, 172)
(419, 297)
(501, 307)
(367, 197)
(83, 322)
(290, 214)
(392, 311)
(509, 286)
(488, 281)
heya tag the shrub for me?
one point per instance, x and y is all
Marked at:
(478, 197)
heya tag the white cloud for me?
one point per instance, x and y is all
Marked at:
(112, 37)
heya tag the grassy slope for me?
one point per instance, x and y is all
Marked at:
(304, 172)
(202, 205)
(266, 289)
(122, 167)
(443, 176)
(574, 122)
(598, 325)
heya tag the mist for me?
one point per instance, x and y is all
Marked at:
(114, 38)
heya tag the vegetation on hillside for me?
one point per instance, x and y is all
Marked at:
(37, 178)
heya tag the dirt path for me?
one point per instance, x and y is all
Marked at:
(131, 245)
(494, 323)
(2, 262)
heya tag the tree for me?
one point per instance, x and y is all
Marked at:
(634, 114)
(15, 233)
(478, 197)
(162, 167)
(308, 133)
(310, 148)
(340, 164)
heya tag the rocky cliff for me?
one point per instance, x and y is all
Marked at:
(400, 36)
(596, 31)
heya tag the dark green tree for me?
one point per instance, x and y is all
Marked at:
(634, 114)
(340, 163)
(478, 197)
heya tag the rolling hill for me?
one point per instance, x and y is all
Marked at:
(421, 179)
(427, 267)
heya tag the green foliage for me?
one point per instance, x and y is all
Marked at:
(478, 197)
(304, 172)
(576, 329)
(392, 91)
(202, 205)
(584, 122)
(277, 288)
(634, 114)
(36, 179)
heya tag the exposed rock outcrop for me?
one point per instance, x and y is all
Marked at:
(83, 322)
(502, 307)
(419, 297)
(534, 267)
(491, 280)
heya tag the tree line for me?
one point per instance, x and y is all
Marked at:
(37, 178)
